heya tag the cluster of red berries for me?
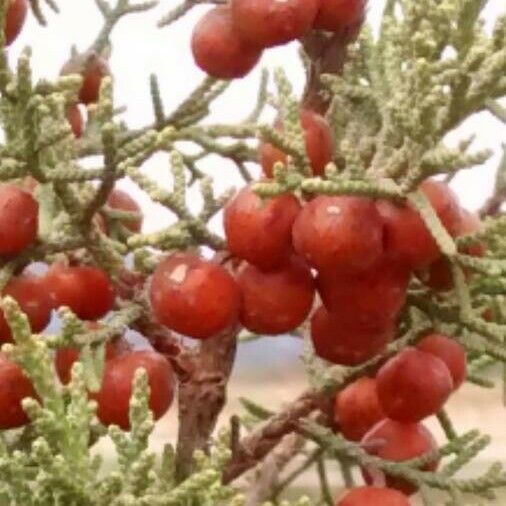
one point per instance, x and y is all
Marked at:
(229, 40)
(89, 293)
(384, 413)
(121, 363)
(92, 68)
(271, 294)
(112, 399)
(273, 290)
(86, 290)
(365, 253)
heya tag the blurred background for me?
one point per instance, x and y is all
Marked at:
(268, 370)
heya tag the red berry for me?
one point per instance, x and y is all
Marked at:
(407, 238)
(340, 233)
(34, 300)
(439, 274)
(278, 301)
(218, 48)
(470, 223)
(378, 293)
(86, 290)
(450, 352)
(413, 385)
(373, 496)
(122, 201)
(19, 214)
(16, 386)
(357, 408)
(15, 19)
(319, 144)
(114, 396)
(445, 203)
(66, 357)
(397, 442)
(337, 15)
(267, 23)
(195, 297)
(261, 231)
(347, 340)
(75, 119)
(93, 69)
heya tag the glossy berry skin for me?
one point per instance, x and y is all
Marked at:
(450, 352)
(19, 213)
(86, 290)
(277, 301)
(15, 19)
(407, 238)
(261, 231)
(114, 396)
(267, 23)
(34, 300)
(439, 274)
(445, 203)
(377, 293)
(346, 340)
(318, 139)
(218, 48)
(470, 223)
(75, 119)
(93, 68)
(397, 442)
(193, 296)
(357, 408)
(16, 386)
(413, 385)
(66, 357)
(341, 234)
(337, 15)
(373, 496)
(121, 201)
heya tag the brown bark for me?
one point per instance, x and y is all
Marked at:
(327, 53)
(202, 396)
(202, 375)
(492, 206)
(267, 476)
(253, 448)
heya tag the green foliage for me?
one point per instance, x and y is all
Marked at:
(400, 95)
(56, 465)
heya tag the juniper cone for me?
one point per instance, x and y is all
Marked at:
(346, 241)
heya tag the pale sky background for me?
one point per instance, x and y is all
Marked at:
(140, 49)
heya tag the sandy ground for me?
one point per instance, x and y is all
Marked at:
(277, 377)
